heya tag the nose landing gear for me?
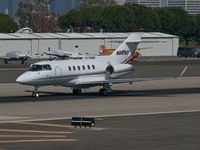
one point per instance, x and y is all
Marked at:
(36, 93)
(77, 91)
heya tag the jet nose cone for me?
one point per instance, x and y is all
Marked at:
(19, 79)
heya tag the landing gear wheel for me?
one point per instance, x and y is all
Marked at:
(6, 61)
(36, 94)
(77, 91)
(103, 92)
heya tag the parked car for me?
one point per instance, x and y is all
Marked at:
(198, 53)
(186, 52)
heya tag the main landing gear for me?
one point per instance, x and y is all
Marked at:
(103, 91)
(36, 93)
(77, 91)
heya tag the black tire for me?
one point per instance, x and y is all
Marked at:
(77, 91)
(6, 61)
(36, 94)
(103, 92)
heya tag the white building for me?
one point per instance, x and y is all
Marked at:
(38, 43)
(148, 3)
(191, 6)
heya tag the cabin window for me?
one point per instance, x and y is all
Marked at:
(79, 68)
(93, 66)
(69, 68)
(46, 67)
(74, 68)
(83, 67)
(88, 67)
(35, 68)
(40, 67)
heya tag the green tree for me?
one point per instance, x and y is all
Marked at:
(24, 13)
(7, 24)
(117, 19)
(37, 16)
(42, 20)
(197, 26)
(184, 25)
(167, 20)
(145, 17)
(71, 20)
(91, 19)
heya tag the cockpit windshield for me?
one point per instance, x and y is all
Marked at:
(40, 67)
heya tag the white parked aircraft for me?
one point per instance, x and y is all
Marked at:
(85, 73)
(60, 54)
(14, 56)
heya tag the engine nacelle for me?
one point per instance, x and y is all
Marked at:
(110, 69)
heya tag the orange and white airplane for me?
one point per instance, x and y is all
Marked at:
(109, 51)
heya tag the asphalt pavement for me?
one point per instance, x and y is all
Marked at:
(177, 131)
(152, 115)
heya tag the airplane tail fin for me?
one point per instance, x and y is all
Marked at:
(126, 50)
(103, 47)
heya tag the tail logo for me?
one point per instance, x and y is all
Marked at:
(123, 52)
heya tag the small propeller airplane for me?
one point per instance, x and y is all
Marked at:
(86, 73)
(14, 56)
(60, 54)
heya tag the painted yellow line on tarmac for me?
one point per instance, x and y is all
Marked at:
(56, 125)
(45, 136)
(45, 124)
(99, 119)
(34, 131)
(40, 140)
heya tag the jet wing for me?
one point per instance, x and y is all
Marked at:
(115, 81)
(136, 80)
(102, 81)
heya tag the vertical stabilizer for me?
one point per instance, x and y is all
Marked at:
(126, 50)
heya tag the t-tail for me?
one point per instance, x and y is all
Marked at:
(125, 51)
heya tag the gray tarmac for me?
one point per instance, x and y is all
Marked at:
(146, 115)
(178, 131)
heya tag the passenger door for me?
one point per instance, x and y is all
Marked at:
(58, 75)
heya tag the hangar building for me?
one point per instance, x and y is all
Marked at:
(36, 44)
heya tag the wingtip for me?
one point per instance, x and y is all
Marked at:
(183, 72)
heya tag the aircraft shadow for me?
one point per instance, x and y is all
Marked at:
(52, 96)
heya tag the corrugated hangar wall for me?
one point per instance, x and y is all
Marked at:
(159, 44)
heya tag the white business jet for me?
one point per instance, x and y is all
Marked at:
(85, 73)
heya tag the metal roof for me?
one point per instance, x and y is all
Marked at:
(16, 36)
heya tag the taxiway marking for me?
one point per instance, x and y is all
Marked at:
(45, 136)
(56, 125)
(106, 115)
(40, 140)
(12, 69)
(45, 124)
(34, 131)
